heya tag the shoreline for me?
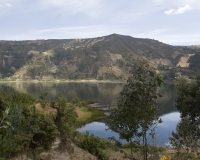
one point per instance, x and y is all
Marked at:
(73, 81)
(62, 81)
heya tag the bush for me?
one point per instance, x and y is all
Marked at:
(94, 145)
(25, 128)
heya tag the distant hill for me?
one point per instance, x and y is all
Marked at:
(112, 57)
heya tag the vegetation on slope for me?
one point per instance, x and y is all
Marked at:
(112, 57)
(29, 126)
(26, 128)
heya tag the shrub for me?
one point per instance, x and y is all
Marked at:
(94, 145)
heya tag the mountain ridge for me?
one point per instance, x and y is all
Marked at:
(112, 57)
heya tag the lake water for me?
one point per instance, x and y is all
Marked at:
(105, 94)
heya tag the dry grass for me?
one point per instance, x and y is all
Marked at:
(83, 113)
(47, 109)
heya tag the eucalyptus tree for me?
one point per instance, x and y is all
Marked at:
(43, 99)
(66, 116)
(186, 137)
(188, 99)
(136, 112)
(187, 134)
(65, 120)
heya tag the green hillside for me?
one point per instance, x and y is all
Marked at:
(112, 57)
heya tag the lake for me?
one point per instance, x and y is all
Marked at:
(105, 94)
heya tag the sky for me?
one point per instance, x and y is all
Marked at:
(175, 22)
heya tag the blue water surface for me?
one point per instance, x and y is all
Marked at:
(163, 130)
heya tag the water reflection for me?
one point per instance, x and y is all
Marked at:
(163, 130)
(103, 93)
(167, 126)
(99, 129)
(167, 102)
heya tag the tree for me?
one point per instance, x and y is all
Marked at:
(65, 120)
(66, 116)
(41, 131)
(22, 127)
(137, 110)
(12, 69)
(184, 138)
(43, 99)
(187, 100)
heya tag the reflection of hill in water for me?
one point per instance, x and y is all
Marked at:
(104, 93)
(167, 101)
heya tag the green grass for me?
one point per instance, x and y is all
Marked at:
(87, 114)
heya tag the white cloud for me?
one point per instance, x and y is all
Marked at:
(62, 33)
(68, 3)
(71, 7)
(192, 3)
(180, 10)
(4, 4)
(171, 11)
(45, 19)
(7, 6)
(183, 9)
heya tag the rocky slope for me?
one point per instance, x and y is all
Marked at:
(56, 154)
(112, 57)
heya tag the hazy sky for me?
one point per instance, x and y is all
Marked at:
(175, 22)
